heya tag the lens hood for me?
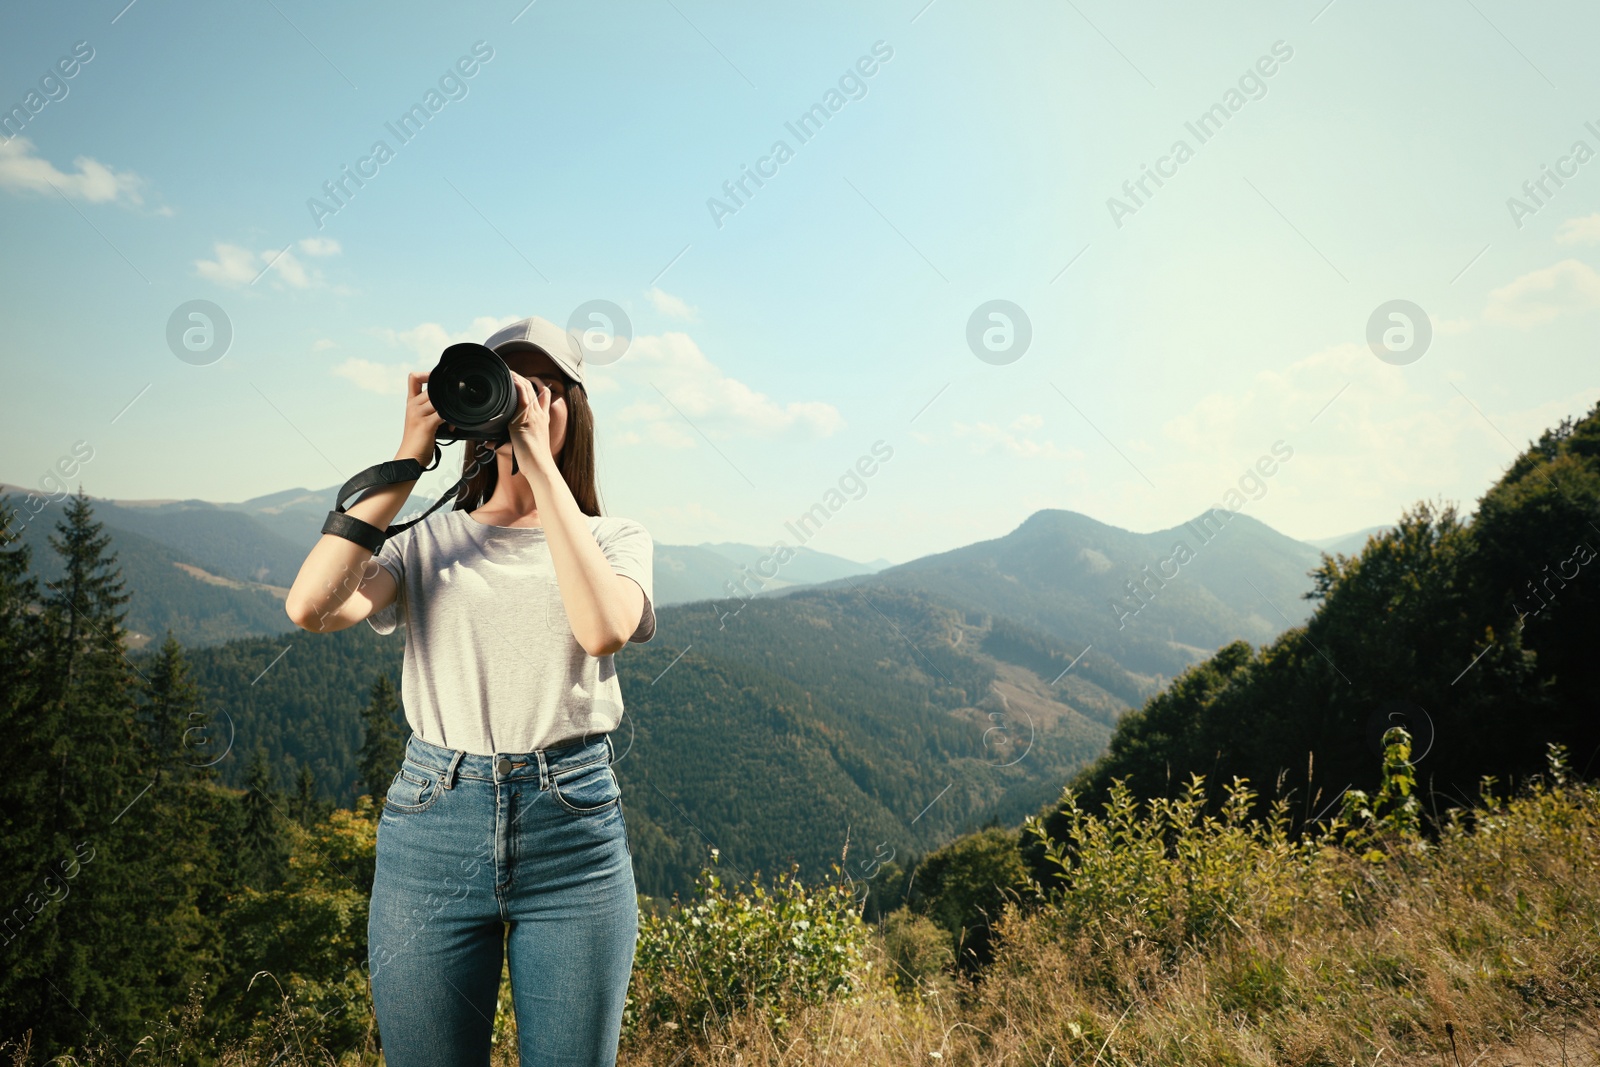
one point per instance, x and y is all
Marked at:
(472, 391)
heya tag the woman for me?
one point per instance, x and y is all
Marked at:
(503, 824)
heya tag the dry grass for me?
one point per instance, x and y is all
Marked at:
(1483, 950)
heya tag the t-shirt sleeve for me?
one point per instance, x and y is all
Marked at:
(391, 556)
(631, 553)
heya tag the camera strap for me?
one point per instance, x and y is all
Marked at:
(388, 473)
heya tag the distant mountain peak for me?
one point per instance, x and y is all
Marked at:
(285, 496)
(1055, 517)
(1348, 544)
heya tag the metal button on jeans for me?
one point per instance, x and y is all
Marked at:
(504, 766)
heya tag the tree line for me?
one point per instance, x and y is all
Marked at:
(133, 874)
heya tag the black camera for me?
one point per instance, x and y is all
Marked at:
(473, 393)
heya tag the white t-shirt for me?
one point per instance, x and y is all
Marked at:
(491, 663)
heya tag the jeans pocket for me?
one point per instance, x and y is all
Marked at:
(410, 792)
(588, 790)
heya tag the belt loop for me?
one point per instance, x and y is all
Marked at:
(611, 751)
(544, 771)
(450, 772)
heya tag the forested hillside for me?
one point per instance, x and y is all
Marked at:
(771, 733)
(1441, 624)
(168, 589)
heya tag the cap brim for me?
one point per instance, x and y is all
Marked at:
(519, 346)
(506, 348)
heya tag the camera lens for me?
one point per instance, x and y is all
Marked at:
(474, 394)
(474, 390)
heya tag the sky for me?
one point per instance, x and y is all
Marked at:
(960, 275)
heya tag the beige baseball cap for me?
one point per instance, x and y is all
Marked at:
(540, 335)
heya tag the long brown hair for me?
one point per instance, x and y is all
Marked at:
(576, 461)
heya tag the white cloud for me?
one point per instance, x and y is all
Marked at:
(424, 341)
(715, 402)
(662, 434)
(236, 265)
(287, 268)
(1343, 390)
(322, 345)
(93, 182)
(428, 339)
(233, 265)
(671, 306)
(1368, 440)
(1585, 229)
(388, 379)
(1544, 295)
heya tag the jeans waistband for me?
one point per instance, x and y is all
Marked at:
(540, 765)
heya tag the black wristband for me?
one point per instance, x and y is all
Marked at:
(389, 473)
(353, 529)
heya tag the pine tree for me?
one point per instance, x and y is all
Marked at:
(384, 746)
(307, 807)
(25, 787)
(264, 855)
(170, 869)
(177, 731)
(88, 716)
(77, 751)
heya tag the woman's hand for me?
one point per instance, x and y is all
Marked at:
(422, 422)
(530, 426)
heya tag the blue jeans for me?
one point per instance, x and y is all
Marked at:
(528, 850)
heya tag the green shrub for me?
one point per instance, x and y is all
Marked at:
(919, 950)
(1171, 878)
(731, 948)
(306, 937)
(1394, 813)
(965, 885)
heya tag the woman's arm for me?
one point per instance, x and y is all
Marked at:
(336, 588)
(603, 607)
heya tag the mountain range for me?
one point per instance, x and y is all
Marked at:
(216, 572)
